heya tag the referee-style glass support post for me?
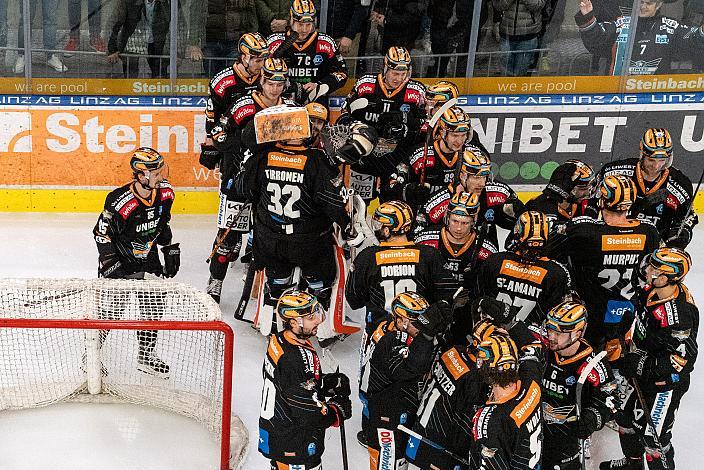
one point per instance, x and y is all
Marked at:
(173, 44)
(323, 19)
(474, 32)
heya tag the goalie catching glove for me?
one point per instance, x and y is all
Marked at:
(360, 143)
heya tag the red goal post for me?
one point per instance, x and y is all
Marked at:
(84, 340)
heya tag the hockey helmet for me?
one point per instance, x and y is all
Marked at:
(568, 176)
(656, 143)
(303, 11)
(275, 70)
(397, 215)
(583, 173)
(482, 331)
(455, 120)
(146, 159)
(317, 111)
(397, 58)
(409, 305)
(253, 44)
(674, 263)
(463, 204)
(296, 303)
(442, 92)
(475, 162)
(567, 317)
(617, 193)
(531, 230)
(498, 352)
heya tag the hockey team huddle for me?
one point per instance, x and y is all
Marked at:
(474, 354)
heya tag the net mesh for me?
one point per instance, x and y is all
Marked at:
(41, 366)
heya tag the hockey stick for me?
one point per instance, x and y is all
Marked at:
(221, 239)
(691, 206)
(246, 293)
(435, 445)
(286, 45)
(656, 438)
(429, 136)
(578, 394)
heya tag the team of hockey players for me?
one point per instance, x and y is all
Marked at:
(474, 354)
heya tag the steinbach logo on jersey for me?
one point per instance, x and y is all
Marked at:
(512, 269)
(296, 162)
(624, 242)
(398, 256)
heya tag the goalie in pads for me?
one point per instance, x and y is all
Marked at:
(134, 221)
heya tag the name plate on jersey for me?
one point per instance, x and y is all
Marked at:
(239, 211)
(362, 184)
(281, 123)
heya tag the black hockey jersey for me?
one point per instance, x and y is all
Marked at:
(605, 261)
(508, 433)
(295, 195)
(224, 88)
(666, 330)
(440, 169)
(671, 196)
(317, 60)
(560, 402)
(405, 102)
(446, 410)
(556, 215)
(379, 273)
(130, 228)
(293, 414)
(533, 286)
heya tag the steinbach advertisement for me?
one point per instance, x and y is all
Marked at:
(84, 141)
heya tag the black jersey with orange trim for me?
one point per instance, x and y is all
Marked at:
(131, 227)
(674, 196)
(224, 88)
(508, 432)
(407, 100)
(295, 192)
(293, 414)
(533, 286)
(666, 330)
(440, 167)
(555, 213)
(316, 60)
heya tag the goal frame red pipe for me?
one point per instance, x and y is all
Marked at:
(228, 353)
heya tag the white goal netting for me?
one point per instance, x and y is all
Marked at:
(147, 342)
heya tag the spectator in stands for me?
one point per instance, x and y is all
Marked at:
(400, 21)
(97, 43)
(521, 24)
(441, 33)
(346, 19)
(693, 12)
(215, 27)
(272, 15)
(3, 24)
(151, 18)
(49, 8)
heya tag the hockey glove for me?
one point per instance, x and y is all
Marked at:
(172, 259)
(111, 267)
(336, 383)
(342, 406)
(488, 307)
(633, 364)
(435, 319)
(209, 156)
(588, 423)
(416, 193)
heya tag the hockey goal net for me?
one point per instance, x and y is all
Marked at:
(145, 342)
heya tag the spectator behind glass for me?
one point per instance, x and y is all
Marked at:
(521, 23)
(659, 40)
(400, 21)
(346, 19)
(49, 8)
(440, 33)
(150, 20)
(97, 43)
(272, 15)
(215, 28)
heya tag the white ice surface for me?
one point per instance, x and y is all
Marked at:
(125, 437)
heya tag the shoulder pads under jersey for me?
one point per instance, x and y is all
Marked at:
(222, 81)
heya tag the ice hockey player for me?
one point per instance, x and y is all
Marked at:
(567, 193)
(390, 101)
(665, 341)
(296, 198)
(229, 84)
(570, 419)
(507, 430)
(605, 256)
(524, 276)
(316, 67)
(299, 402)
(318, 116)
(227, 136)
(396, 359)
(664, 193)
(499, 204)
(135, 220)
